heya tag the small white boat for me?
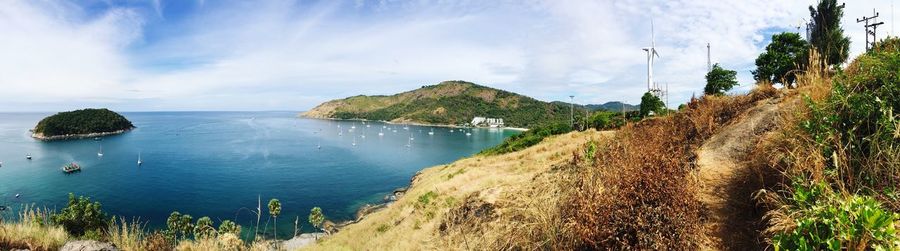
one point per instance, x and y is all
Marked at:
(100, 153)
(28, 156)
(468, 134)
(1, 163)
(17, 195)
(431, 132)
(139, 162)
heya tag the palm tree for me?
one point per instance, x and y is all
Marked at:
(316, 218)
(274, 211)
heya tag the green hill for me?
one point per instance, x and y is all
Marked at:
(614, 106)
(81, 123)
(447, 103)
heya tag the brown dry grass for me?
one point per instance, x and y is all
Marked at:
(32, 231)
(480, 203)
(639, 191)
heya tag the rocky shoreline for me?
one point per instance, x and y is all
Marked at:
(40, 136)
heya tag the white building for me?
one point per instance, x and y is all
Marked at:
(490, 122)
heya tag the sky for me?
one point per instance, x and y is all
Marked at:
(200, 55)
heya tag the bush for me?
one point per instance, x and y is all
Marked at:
(81, 216)
(825, 220)
(528, 138)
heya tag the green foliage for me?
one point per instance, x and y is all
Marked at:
(606, 120)
(382, 228)
(82, 122)
(179, 225)
(204, 228)
(458, 107)
(719, 80)
(651, 103)
(829, 221)
(228, 226)
(826, 35)
(316, 218)
(425, 199)
(80, 216)
(274, 207)
(857, 122)
(783, 57)
(528, 138)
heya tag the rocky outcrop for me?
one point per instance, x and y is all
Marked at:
(88, 245)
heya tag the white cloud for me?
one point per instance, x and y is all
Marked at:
(292, 55)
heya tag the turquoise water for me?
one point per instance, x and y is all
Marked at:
(217, 163)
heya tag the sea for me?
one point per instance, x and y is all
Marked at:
(221, 164)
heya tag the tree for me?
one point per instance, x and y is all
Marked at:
(719, 80)
(228, 226)
(826, 35)
(783, 57)
(80, 216)
(274, 211)
(651, 103)
(204, 228)
(316, 218)
(179, 225)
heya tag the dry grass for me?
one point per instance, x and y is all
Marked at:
(32, 231)
(492, 202)
(639, 191)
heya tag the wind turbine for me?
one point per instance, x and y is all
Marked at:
(651, 51)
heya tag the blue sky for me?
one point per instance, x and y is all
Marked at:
(291, 55)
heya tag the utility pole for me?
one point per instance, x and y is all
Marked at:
(572, 103)
(870, 28)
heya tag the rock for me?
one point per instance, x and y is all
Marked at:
(88, 245)
(301, 241)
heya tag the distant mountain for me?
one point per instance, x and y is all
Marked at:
(614, 106)
(447, 103)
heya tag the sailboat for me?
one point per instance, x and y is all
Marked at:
(318, 146)
(354, 141)
(139, 162)
(100, 153)
(431, 132)
(409, 142)
(381, 133)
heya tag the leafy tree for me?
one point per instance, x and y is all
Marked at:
(316, 218)
(228, 226)
(826, 35)
(80, 216)
(274, 211)
(719, 80)
(650, 103)
(204, 228)
(780, 62)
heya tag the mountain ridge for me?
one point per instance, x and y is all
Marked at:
(447, 103)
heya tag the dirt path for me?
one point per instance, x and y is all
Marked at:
(724, 183)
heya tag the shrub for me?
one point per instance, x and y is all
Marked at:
(316, 218)
(81, 216)
(528, 138)
(825, 220)
(228, 226)
(650, 104)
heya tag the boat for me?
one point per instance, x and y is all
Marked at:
(28, 156)
(100, 153)
(381, 133)
(139, 162)
(468, 134)
(71, 168)
(17, 195)
(1, 163)
(431, 132)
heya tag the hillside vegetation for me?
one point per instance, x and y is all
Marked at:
(85, 121)
(447, 103)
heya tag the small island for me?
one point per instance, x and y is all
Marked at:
(85, 123)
